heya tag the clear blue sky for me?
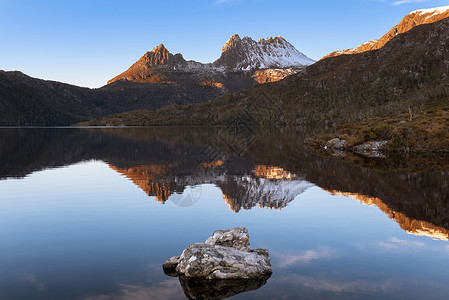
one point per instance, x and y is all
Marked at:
(88, 42)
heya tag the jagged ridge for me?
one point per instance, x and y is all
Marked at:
(247, 54)
(238, 55)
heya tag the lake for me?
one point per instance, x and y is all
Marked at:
(93, 213)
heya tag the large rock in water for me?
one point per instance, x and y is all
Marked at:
(225, 255)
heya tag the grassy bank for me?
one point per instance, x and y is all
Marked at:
(421, 132)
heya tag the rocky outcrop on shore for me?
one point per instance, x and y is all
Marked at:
(337, 146)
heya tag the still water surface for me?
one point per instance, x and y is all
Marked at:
(93, 214)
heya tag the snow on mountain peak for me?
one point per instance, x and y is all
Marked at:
(273, 52)
(436, 10)
(413, 19)
(239, 54)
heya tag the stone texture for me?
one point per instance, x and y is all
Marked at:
(336, 144)
(371, 149)
(237, 238)
(225, 255)
(169, 266)
(218, 262)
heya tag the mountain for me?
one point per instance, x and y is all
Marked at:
(156, 80)
(150, 67)
(410, 73)
(415, 18)
(270, 53)
(243, 63)
(29, 101)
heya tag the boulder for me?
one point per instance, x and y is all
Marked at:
(224, 256)
(335, 144)
(372, 149)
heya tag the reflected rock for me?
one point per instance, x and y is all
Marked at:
(225, 255)
(196, 288)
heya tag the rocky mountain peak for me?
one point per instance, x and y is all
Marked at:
(143, 69)
(159, 48)
(238, 54)
(157, 56)
(273, 52)
(233, 41)
(271, 39)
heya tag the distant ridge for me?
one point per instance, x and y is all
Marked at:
(413, 19)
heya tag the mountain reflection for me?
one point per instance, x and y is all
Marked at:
(268, 170)
(411, 226)
(151, 180)
(264, 187)
(247, 192)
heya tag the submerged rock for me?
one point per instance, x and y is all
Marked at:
(225, 255)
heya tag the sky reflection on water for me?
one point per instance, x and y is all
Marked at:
(88, 231)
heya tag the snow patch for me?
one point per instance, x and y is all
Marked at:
(431, 11)
(266, 53)
(436, 10)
